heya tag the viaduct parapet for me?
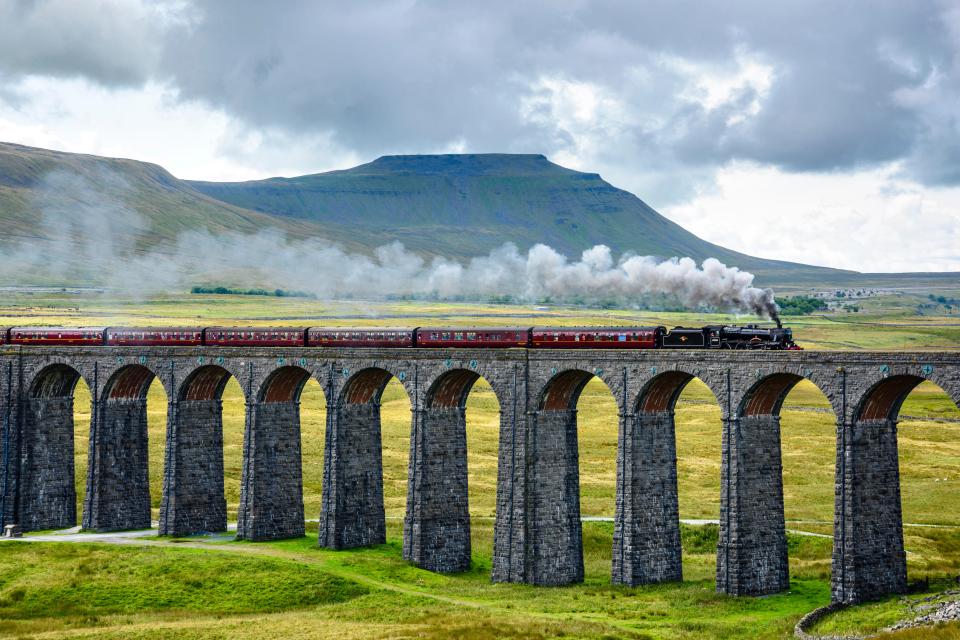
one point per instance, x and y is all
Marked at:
(537, 531)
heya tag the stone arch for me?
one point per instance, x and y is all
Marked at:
(47, 489)
(451, 389)
(753, 554)
(647, 545)
(365, 386)
(437, 523)
(193, 499)
(766, 396)
(206, 382)
(118, 479)
(271, 485)
(130, 382)
(659, 391)
(869, 560)
(283, 385)
(554, 530)
(563, 390)
(56, 380)
(882, 400)
(352, 504)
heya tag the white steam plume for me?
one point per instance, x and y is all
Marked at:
(93, 237)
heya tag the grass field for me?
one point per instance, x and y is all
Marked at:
(96, 591)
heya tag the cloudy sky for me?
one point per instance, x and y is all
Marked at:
(821, 132)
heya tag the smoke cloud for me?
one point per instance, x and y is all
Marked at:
(88, 235)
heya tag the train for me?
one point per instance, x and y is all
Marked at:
(750, 336)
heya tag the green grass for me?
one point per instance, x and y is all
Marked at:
(292, 587)
(117, 590)
(69, 580)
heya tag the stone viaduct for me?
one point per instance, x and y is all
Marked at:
(537, 531)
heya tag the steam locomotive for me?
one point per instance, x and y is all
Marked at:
(750, 336)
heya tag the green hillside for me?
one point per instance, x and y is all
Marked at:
(38, 186)
(461, 205)
(457, 206)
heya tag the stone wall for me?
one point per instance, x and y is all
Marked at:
(436, 531)
(868, 555)
(48, 498)
(646, 535)
(752, 549)
(193, 498)
(352, 514)
(510, 526)
(554, 533)
(118, 487)
(271, 487)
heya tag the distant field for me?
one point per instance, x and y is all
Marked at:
(384, 597)
(884, 322)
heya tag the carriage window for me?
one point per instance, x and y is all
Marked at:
(457, 336)
(471, 336)
(446, 335)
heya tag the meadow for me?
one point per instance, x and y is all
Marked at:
(243, 590)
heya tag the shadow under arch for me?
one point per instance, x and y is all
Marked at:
(869, 559)
(118, 479)
(271, 484)
(436, 532)
(46, 495)
(193, 499)
(882, 401)
(352, 512)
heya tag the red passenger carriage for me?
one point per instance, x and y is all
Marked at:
(473, 337)
(596, 337)
(359, 337)
(154, 336)
(255, 336)
(57, 335)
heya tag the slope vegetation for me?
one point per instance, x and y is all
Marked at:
(460, 205)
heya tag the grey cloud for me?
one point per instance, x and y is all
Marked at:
(853, 84)
(113, 43)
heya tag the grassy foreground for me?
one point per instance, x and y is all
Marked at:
(173, 589)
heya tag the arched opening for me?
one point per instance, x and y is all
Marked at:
(597, 441)
(271, 491)
(313, 418)
(928, 438)
(870, 554)
(672, 467)
(233, 416)
(363, 449)
(81, 444)
(118, 493)
(47, 492)
(808, 434)
(437, 528)
(483, 414)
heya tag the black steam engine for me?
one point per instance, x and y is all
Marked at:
(750, 336)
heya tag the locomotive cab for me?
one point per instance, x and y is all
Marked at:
(686, 338)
